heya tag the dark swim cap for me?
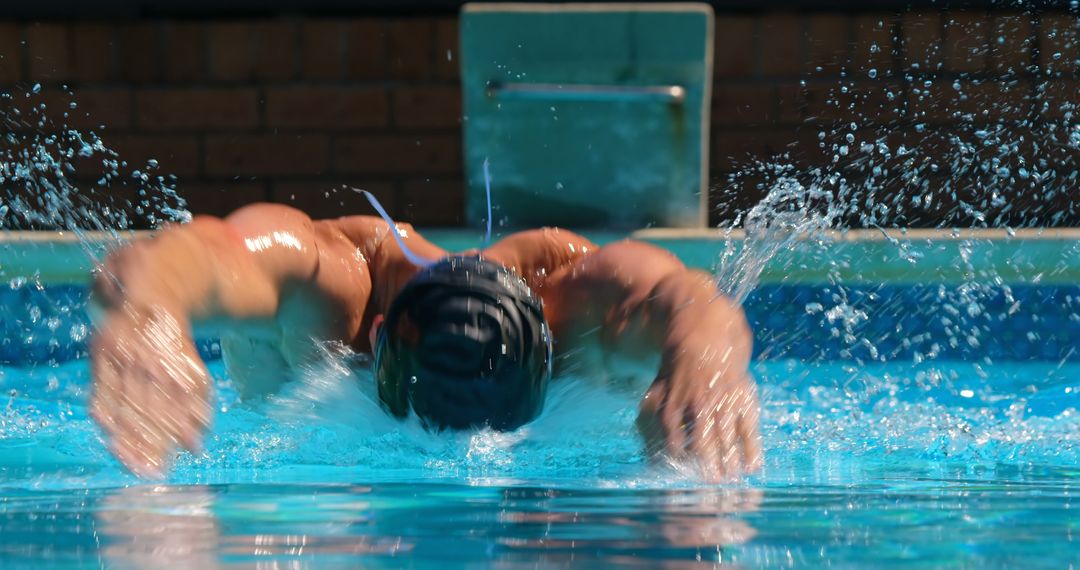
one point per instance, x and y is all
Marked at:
(465, 344)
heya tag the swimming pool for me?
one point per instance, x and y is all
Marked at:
(920, 393)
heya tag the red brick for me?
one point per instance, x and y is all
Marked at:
(808, 150)
(91, 52)
(789, 103)
(735, 46)
(734, 104)
(1060, 97)
(433, 202)
(11, 53)
(221, 199)
(781, 44)
(94, 107)
(1029, 149)
(728, 199)
(732, 149)
(934, 145)
(398, 154)
(828, 43)
(367, 49)
(276, 51)
(327, 107)
(1011, 43)
(874, 101)
(1002, 100)
(185, 51)
(22, 111)
(966, 41)
(139, 52)
(176, 154)
(1060, 43)
(47, 46)
(823, 103)
(187, 109)
(432, 107)
(874, 47)
(412, 48)
(323, 49)
(325, 199)
(265, 155)
(232, 51)
(921, 38)
(447, 60)
(972, 102)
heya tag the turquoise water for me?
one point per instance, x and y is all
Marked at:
(966, 456)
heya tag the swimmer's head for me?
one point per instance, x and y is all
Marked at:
(464, 344)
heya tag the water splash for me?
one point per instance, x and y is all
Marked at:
(788, 215)
(53, 176)
(904, 149)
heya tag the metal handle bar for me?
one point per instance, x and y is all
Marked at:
(673, 94)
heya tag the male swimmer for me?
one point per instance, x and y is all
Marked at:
(462, 342)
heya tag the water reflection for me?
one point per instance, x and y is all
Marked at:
(283, 526)
(1006, 520)
(141, 526)
(209, 527)
(659, 529)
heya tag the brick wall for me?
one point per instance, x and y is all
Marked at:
(930, 80)
(289, 109)
(283, 110)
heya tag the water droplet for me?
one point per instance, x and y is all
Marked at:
(872, 73)
(37, 86)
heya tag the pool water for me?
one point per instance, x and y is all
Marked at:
(908, 424)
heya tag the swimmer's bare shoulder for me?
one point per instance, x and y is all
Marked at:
(267, 277)
(634, 299)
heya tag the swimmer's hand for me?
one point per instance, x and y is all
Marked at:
(150, 388)
(703, 408)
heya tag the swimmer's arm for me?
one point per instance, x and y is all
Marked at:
(390, 267)
(640, 299)
(151, 390)
(538, 254)
(213, 268)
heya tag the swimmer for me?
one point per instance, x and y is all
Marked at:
(462, 341)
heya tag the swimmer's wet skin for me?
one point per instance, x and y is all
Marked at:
(461, 343)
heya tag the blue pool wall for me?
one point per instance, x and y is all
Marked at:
(863, 323)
